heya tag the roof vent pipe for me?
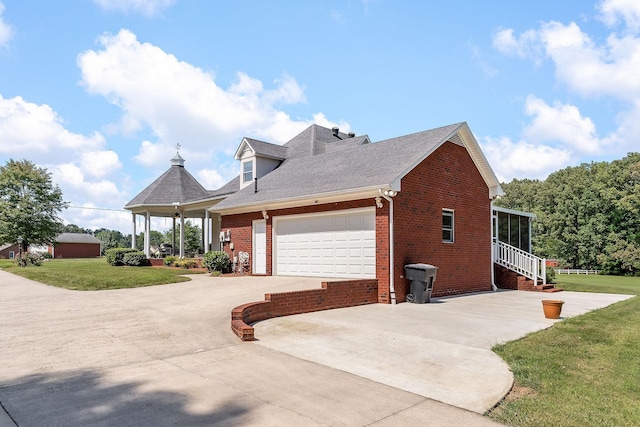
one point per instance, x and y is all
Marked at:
(352, 134)
(255, 184)
(335, 130)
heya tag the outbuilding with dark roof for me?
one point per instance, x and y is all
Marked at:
(75, 245)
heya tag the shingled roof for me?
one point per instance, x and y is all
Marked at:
(350, 165)
(175, 185)
(76, 238)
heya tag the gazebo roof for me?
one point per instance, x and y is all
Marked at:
(174, 187)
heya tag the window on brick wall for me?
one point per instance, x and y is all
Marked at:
(447, 226)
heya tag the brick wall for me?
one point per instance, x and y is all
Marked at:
(241, 234)
(447, 179)
(508, 279)
(339, 294)
(76, 250)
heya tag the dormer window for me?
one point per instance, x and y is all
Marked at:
(247, 171)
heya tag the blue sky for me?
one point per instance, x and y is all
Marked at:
(100, 91)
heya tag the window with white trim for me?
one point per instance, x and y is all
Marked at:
(247, 171)
(447, 226)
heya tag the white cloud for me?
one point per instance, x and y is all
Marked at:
(79, 164)
(89, 215)
(99, 163)
(181, 103)
(29, 127)
(561, 123)
(210, 178)
(75, 185)
(590, 68)
(146, 7)
(511, 160)
(615, 12)
(524, 46)
(6, 31)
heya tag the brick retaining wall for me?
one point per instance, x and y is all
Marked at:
(347, 293)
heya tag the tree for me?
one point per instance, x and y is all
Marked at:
(29, 204)
(72, 228)
(112, 239)
(587, 216)
(192, 237)
(156, 238)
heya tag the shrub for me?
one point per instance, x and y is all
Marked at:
(186, 263)
(28, 258)
(217, 261)
(135, 259)
(115, 255)
(551, 275)
(169, 261)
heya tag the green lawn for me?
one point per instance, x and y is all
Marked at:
(584, 371)
(95, 274)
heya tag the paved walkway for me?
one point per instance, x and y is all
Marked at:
(165, 355)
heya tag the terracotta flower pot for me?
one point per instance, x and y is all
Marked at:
(552, 308)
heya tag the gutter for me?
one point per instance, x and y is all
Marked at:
(493, 252)
(387, 195)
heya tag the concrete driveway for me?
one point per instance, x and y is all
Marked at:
(165, 355)
(440, 350)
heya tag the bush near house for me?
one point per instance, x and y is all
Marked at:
(135, 259)
(169, 261)
(186, 263)
(217, 261)
(115, 255)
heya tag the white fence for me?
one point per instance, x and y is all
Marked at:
(520, 261)
(574, 271)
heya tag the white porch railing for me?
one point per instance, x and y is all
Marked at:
(520, 261)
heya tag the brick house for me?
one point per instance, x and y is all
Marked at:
(9, 251)
(335, 205)
(330, 204)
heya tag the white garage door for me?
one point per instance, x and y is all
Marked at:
(340, 244)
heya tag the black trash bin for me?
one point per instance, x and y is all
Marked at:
(422, 277)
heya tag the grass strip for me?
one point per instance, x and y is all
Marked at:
(94, 274)
(583, 371)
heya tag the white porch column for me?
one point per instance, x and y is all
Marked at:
(133, 235)
(173, 238)
(206, 229)
(147, 232)
(181, 235)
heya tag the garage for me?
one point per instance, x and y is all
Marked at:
(334, 244)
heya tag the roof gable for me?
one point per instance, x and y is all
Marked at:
(261, 149)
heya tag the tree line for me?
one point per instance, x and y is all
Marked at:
(116, 239)
(588, 216)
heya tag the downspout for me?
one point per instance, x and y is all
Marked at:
(392, 287)
(493, 251)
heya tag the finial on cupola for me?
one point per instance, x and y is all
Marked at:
(177, 160)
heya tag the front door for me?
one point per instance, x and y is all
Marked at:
(259, 247)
